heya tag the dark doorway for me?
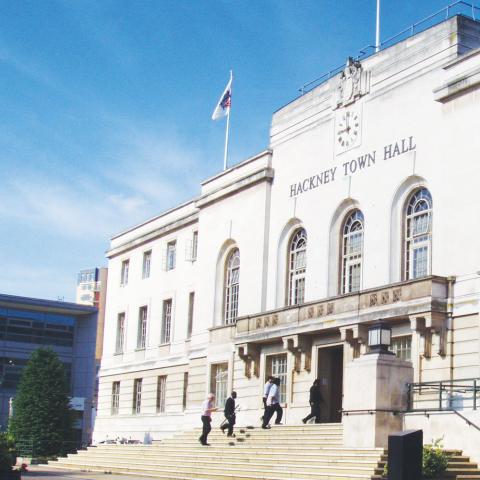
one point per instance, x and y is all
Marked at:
(330, 373)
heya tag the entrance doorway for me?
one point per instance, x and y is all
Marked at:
(330, 373)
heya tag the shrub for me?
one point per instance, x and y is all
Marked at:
(435, 460)
(8, 457)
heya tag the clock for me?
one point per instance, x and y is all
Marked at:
(347, 130)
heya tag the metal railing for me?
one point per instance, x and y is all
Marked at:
(34, 449)
(456, 8)
(444, 395)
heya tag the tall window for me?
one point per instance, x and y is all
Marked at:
(142, 327)
(277, 367)
(120, 333)
(124, 273)
(147, 259)
(418, 234)
(185, 390)
(115, 398)
(402, 347)
(171, 255)
(194, 246)
(191, 302)
(161, 393)
(166, 321)
(297, 267)
(352, 251)
(232, 285)
(218, 383)
(137, 396)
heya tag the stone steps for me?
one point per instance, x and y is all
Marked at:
(305, 452)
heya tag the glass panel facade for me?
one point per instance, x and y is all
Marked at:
(36, 327)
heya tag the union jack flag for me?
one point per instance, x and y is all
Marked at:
(223, 106)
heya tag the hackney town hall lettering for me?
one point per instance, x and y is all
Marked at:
(362, 162)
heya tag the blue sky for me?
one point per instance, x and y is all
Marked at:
(105, 110)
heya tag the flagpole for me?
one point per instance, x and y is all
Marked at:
(377, 36)
(226, 141)
(227, 129)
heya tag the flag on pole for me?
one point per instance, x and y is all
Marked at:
(223, 106)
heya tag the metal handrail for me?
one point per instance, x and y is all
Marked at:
(371, 411)
(406, 33)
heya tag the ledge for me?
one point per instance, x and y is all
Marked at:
(395, 301)
(457, 86)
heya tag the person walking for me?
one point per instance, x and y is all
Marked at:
(273, 405)
(315, 400)
(266, 391)
(229, 413)
(208, 406)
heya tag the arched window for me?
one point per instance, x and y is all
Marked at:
(232, 285)
(297, 262)
(418, 234)
(352, 252)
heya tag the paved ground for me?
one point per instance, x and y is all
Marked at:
(43, 473)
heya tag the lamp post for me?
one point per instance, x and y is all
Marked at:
(379, 339)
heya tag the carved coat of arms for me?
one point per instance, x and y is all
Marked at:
(353, 82)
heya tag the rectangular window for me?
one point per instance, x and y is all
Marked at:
(166, 321)
(142, 327)
(420, 261)
(161, 393)
(124, 273)
(277, 367)
(185, 390)
(218, 383)
(171, 255)
(147, 258)
(402, 347)
(120, 333)
(194, 246)
(137, 396)
(191, 301)
(115, 398)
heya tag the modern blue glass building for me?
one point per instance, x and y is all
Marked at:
(69, 329)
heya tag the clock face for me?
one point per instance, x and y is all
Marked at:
(348, 129)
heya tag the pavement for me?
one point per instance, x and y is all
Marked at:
(37, 472)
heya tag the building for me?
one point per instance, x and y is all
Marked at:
(69, 329)
(92, 290)
(363, 207)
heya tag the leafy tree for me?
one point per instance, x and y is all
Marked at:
(42, 417)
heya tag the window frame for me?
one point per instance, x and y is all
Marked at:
(161, 393)
(296, 276)
(115, 398)
(350, 260)
(120, 338)
(219, 386)
(137, 396)
(269, 360)
(413, 242)
(146, 264)
(167, 315)
(124, 270)
(171, 255)
(231, 288)
(142, 327)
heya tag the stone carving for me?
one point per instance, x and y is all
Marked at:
(397, 295)
(250, 354)
(301, 348)
(353, 83)
(373, 299)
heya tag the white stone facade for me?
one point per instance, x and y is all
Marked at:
(403, 120)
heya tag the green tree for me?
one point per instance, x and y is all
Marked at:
(42, 416)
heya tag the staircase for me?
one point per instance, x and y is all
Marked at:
(313, 452)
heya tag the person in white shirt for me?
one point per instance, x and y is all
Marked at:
(208, 406)
(273, 405)
(266, 391)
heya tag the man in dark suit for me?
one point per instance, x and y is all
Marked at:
(315, 400)
(229, 413)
